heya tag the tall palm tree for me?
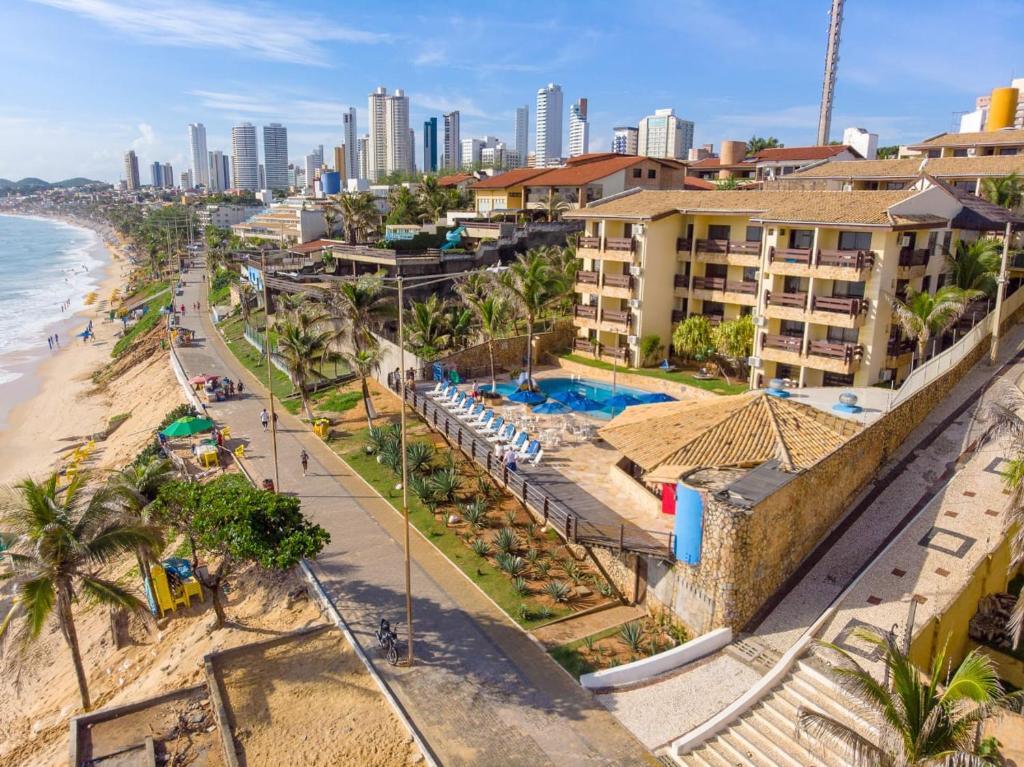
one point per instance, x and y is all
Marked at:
(475, 285)
(303, 347)
(404, 206)
(330, 217)
(361, 307)
(492, 314)
(554, 205)
(460, 325)
(923, 316)
(132, 491)
(426, 326)
(59, 540)
(365, 362)
(533, 286)
(976, 265)
(360, 214)
(1005, 191)
(920, 720)
(757, 143)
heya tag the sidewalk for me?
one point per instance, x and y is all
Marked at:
(482, 692)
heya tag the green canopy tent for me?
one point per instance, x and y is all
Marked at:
(187, 426)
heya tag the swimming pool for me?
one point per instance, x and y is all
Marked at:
(598, 391)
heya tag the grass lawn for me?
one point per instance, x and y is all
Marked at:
(716, 385)
(572, 660)
(491, 580)
(254, 361)
(148, 322)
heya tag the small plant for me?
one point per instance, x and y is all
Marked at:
(572, 570)
(486, 488)
(632, 634)
(544, 613)
(390, 455)
(418, 456)
(381, 436)
(605, 589)
(475, 512)
(588, 642)
(531, 530)
(678, 632)
(511, 564)
(523, 612)
(480, 547)
(532, 556)
(423, 489)
(541, 568)
(510, 517)
(445, 483)
(506, 540)
(520, 587)
(558, 591)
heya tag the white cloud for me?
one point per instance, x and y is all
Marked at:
(269, 106)
(146, 139)
(290, 37)
(430, 57)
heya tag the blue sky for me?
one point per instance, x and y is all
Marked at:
(85, 80)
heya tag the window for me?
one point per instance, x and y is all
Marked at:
(843, 289)
(719, 231)
(959, 152)
(837, 379)
(754, 233)
(627, 230)
(786, 371)
(689, 232)
(926, 284)
(791, 328)
(716, 270)
(843, 335)
(935, 153)
(750, 274)
(801, 238)
(855, 240)
(791, 284)
(652, 173)
(1008, 150)
(933, 240)
(714, 309)
(637, 173)
(894, 185)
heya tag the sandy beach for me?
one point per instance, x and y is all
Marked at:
(56, 405)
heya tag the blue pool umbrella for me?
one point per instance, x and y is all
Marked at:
(527, 397)
(650, 399)
(622, 401)
(579, 402)
(551, 407)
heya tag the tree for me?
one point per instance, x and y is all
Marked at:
(361, 307)
(976, 265)
(727, 184)
(459, 321)
(59, 538)
(533, 286)
(923, 316)
(693, 338)
(360, 214)
(365, 362)
(426, 326)
(757, 143)
(734, 340)
(887, 152)
(916, 720)
(330, 216)
(232, 523)
(554, 205)
(492, 313)
(303, 348)
(1005, 191)
(133, 490)
(404, 206)
(650, 347)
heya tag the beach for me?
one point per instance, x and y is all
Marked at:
(55, 402)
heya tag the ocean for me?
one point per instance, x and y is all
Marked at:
(43, 263)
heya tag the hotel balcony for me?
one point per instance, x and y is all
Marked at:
(794, 261)
(725, 291)
(830, 356)
(683, 245)
(899, 352)
(617, 286)
(838, 311)
(585, 316)
(681, 284)
(587, 282)
(786, 306)
(583, 346)
(913, 263)
(616, 320)
(678, 315)
(607, 248)
(589, 247)
(849, 265)
(729, 252)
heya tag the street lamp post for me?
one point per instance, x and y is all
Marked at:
(270, 380)
(1000, 290)
(405, 468)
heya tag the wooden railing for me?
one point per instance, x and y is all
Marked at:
(738, 247)
(898, 347)
(848, 306)
(587, 278)
(835, 350)
(585, 312)
(618, 281)
(678, 315)
(790, 255)
(792, 344)
(851, 259)
(590, 242)
(617, 352)
(620, 243)
(616, 317)
(683, 245)
(582, 345)
(913, 257)
(729, 286)
(790, 300)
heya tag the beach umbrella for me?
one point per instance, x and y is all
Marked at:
(552, 407)
(85, 334)
(650, 399)
(527, 397)
(187, 426)
(197, 380)
(619, 401)
(579, 402)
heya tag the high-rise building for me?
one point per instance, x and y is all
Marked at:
(579, 129)
(470, 152)
(348, 129)
(452, 156)
(522, 139)
(339, 162)
(219, 177)
(245, 170)
(131, 170)
(412, 150)
(275, 156)
(197, 143)
(664, 135)
(624, 139)
(167, 172)
(548, 141)
(156, 172)
(430, 145)
(396, 128)
(186, 181)
(261, 177)
(377, 156)
(499, 156)
(318, 152)
(310, 172)
(363, 154)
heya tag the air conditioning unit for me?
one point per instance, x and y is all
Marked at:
(754, 362)
(885, 375)
(634, 303)
(636, 271)
(760, 321)
(631, 340)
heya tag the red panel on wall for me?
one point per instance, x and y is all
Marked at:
(668, 499)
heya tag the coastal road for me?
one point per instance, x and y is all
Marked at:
(481, 692)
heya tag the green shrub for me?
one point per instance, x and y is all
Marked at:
(480, 547)
(558, 591)
(475, 513)
(339, 402)
(632, 634)
(418, 456)
(511, 564)
(520, 587)
(507, 541)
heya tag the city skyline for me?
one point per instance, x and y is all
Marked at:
(221, 76)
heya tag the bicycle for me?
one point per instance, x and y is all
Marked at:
(388, 641)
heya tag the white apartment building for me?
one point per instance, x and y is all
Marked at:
(311, 168)
(363, 159)
(131, 170)
(197, 144)
(275, 156)
(219, 168)
(664, 135)
(351, 146)
(470, 152)
(377, 157)
(288, 222)
(451, 156)
(548, 141)
(245, 157)
(223, 216)
(579, 129)
(396, 126)
(186, 181)
(625, 140)
(522, 134)
(499, 156)
(864, 142)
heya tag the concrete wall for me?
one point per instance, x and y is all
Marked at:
(510, 353)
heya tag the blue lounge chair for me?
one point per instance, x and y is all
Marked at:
(496, 424)
(533, 450)
(504, 434)
(519, 441)
(437, 390)
(447, 394)
(454, 403)
(466, 407)
(484, 421)
(473, 413)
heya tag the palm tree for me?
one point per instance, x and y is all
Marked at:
(917, 720)
(360, 214)
(365, 362)
(133, 489)
(492, 314)
(459, 320)
(59, 539)
(533, 286)
(976, 265)
(554, 205)
(404, 206)
(757, 143)
(302, 348)
(361, 306)
(923, 315)
(330, 216)
(1005, 191)
(426, 326)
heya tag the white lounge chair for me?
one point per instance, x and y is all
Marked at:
(465, 408)
(531, 452)
(437, 390)
(520, 441)
(484, 421)
(494, 427)
(447, 394)
(504, 434)
(454, 403)
(472, 413)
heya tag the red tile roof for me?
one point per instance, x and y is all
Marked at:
(310, 247)
(455, 179)
(803, 153)
(694, 183)
(508, 178)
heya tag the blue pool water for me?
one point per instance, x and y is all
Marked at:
(595, 390)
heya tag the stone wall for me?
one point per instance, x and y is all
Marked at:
(647, 383)
(509, 353)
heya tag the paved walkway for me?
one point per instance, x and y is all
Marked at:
(482, 691)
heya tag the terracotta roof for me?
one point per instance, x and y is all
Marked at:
(984, 138)
(508, 178)
(455, 179)
(311, 247)
(726, 432)
(794, 206)
(585, 173)
(709, 163)
(910, 167)
(697, 184)
(782, 154)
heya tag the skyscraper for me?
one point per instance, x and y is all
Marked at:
(167, 172)
(664, 135)
(131, 170)
(548, 142)
(377, 150)
(348, 124)
(624, 139)
(219, 177)
(156, 172)
(452, 157)
(470, 152)
(522, 132)
(430, 145)
(311, 168)
(197, 142)
(396, 128)
(364, 157)
(245, 157)
(275, 155)
(412, 150)
(579, 130)
(339, 163)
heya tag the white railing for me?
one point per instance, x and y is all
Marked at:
(945, 361)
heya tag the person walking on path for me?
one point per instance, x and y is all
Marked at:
(265, 418)
(56, 340)
(241, 387)
(304, 458)
(49, 340)
(510, 458)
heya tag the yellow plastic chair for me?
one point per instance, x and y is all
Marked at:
(226, 431)
(165, 600)
(240, 451)
(193, 588)
(208, 459)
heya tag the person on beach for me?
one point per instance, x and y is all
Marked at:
(264, 418)
(304, 458)
(49, 340)
(56, 340)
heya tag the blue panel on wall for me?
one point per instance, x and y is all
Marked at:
(689, 524)
(330, 182)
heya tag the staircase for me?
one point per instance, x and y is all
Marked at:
(766, 735)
